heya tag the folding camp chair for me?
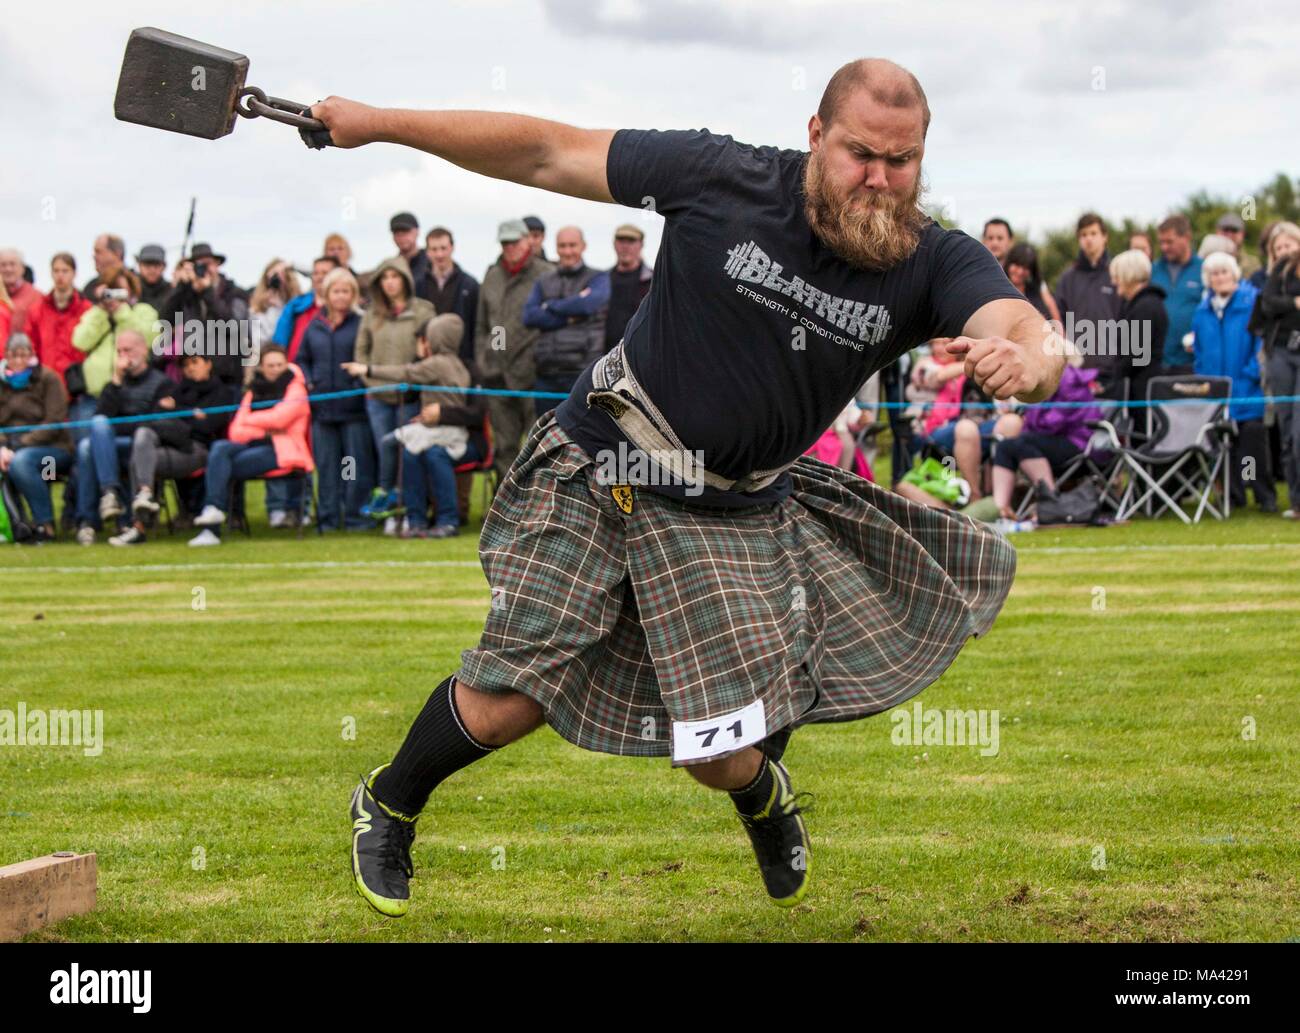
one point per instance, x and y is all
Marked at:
(1186, 452)
(483, 466)
(1099, 461)
(235, 506)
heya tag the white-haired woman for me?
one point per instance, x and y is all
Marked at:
(1142, 309)
(1278, 324)
(1223, 346)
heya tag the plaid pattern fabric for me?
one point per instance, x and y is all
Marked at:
(840, 601)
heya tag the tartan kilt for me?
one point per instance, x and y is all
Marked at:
(838, 602)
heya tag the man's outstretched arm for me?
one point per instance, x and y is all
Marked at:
(1011, 351)
(519, 148)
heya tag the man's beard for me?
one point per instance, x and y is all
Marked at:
(875, 238)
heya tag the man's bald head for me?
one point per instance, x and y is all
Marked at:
(569, 246)
(888, 84)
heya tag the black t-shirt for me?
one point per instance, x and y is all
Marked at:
(754, 335)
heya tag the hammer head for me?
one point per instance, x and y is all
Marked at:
(179, 84)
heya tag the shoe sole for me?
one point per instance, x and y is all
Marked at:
(397, 908)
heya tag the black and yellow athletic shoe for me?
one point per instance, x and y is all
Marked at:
(781, 840)
(381, 851)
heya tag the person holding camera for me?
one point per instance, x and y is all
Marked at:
(116, 308)
(200, 292)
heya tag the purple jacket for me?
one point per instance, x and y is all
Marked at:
(1068, 422)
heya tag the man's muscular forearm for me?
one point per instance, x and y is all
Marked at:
(1044, 348)
(519, 148)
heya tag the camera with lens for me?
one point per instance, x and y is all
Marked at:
(115, 294)
(200, 269)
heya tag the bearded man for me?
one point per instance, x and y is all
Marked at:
(740, 590)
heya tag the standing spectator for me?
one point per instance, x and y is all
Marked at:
(536, 236)
(568, 306)
(1051, 437)
(503, 345)
(154, 286)
(1142, 311)
(451, 290)
(134, 389)
(1178, 273)
(1021, 265)
(629, 282)
(388, 338)
(1278, 323)
(1216, 243)
(22, 295)
(1223, 346)
(50, 323)
(110, 255)
(272, 439)
(299, 311)
(30, 395)
(1230, 225)
(277, 287)
(1086, 296)
(200, 292)
(1140, 242)
(6, 317)
(166, 449)
(999, 238)
(117, 310)
(442, 439)
(1260, 275)
(339, 426)
(405, 228)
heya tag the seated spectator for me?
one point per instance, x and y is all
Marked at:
(1223, 346)
(167, 449)
(22, 295)
(51, 322)
(1049, 440)
(339, 426)
(969, 440)
(838, 444)
(1142, 311)
(269, 440)
(1278, 323)
(441, 435)
(1021, 265)
(30, 395)
(277, 286)
(134, 389)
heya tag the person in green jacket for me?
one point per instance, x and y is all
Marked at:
(96, 332)
(388, 337)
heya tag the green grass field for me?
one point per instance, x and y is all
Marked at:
(1125, 802)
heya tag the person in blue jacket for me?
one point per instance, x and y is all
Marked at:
(339, 427)
(1223, 346)
(1178, 274)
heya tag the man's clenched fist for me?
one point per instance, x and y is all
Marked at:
(998, 366)
(350, 123)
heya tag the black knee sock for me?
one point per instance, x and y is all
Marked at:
(436, 747)
(751, 799)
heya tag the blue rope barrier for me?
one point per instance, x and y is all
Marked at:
(173, 414)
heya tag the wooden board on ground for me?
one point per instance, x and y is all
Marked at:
(45, 890)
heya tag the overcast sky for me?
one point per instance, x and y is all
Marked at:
(1038, 112)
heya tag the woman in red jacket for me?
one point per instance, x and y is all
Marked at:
(272, 439)
(51, 320)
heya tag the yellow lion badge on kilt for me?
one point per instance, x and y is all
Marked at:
(622, 494)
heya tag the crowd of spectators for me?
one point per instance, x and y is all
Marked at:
(316, 394)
